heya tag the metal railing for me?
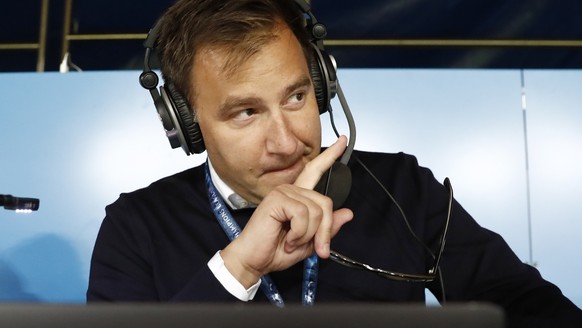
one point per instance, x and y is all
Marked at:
(68, 37)
(40, 45)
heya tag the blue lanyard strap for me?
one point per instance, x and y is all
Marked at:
(233, 230)
(310, 269)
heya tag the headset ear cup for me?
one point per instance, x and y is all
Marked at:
(192, 133)
(319, 83)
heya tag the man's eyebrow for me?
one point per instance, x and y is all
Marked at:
(304, 81)
(233, 101)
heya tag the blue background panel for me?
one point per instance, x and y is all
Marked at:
(77, 140)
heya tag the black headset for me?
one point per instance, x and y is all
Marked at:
(176, 114)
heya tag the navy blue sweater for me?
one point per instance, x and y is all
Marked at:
(154, 244)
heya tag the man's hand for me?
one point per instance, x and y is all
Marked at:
(289, 224)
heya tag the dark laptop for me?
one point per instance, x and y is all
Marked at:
(341, 315)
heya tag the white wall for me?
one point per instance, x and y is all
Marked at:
(77, 140)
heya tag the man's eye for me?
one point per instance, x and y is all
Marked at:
(298, 97)
(244, 114)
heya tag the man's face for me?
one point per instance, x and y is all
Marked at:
(260, 122)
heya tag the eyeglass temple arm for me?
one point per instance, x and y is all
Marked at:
(449, 187)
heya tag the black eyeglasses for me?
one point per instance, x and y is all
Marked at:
(407, 277)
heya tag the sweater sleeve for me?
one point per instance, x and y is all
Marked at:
(478, 265)
(124, 267)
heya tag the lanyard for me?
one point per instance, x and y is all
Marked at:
(232, 230)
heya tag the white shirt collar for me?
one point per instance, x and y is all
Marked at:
(232, 199)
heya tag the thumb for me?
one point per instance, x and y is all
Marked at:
(340, 217)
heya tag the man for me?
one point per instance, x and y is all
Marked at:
(244, 226)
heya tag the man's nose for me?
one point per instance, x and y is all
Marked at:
(280, 136)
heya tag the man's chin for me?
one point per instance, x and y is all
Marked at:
(265, 189)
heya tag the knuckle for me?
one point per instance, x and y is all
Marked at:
(302, 210)
(327, 202)
(316, 212)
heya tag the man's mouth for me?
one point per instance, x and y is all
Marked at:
(288, 168)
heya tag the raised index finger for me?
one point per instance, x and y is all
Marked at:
(315, 169)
